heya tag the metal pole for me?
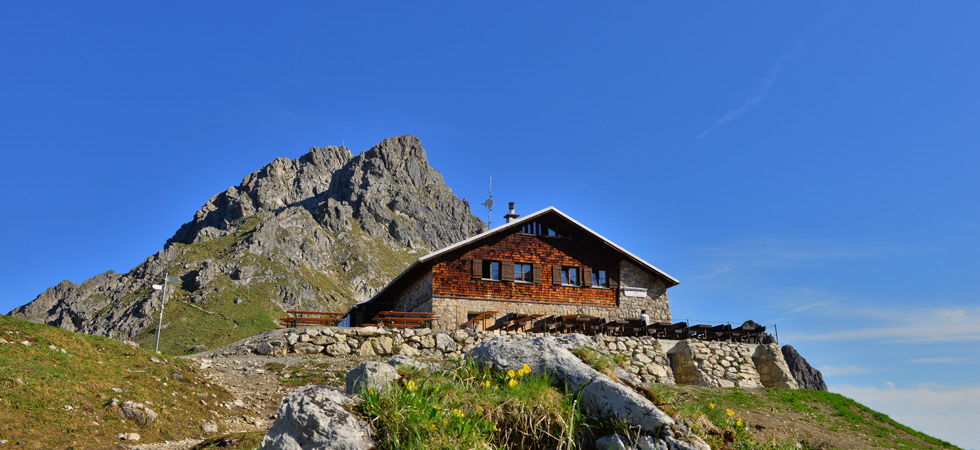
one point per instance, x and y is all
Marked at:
(777, 333)
(163, 301)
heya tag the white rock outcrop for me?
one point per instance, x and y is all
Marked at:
(313, 417)
(600, 395)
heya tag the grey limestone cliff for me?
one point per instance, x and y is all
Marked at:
(806, 376)
(321, 231)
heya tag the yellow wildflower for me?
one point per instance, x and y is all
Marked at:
(479, 409)
(729, 412)
(526, 369)
(370, 390)
(486, 383)
(512, 382)
(510, 373)
(711, 405)
(433, 426)
(738, 422)
(458, 414)
(411, 385)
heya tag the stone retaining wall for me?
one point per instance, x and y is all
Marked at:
(722, 364)
(718, 364)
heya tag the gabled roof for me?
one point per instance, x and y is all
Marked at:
(551, 209)
(671, 281)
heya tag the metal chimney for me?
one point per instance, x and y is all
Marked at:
(511, 216)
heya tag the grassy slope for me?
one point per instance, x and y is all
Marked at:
(37, 385)
(814, 419)
(217, 320)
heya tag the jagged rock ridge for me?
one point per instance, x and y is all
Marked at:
(806, 375)
(322, 231)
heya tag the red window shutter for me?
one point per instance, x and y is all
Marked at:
(555, 274)
(536, 273)
(477, 268)
(507, 271)
(586, 276)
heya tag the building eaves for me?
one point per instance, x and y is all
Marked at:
(517, 223)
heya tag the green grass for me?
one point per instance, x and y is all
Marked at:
(50, 399)
(472, 407)
(714, 414)
(601, 361)
(234, 441)
(211, 315)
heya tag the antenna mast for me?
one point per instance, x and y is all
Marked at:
(489, 204)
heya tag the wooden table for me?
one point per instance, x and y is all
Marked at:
(311, 318)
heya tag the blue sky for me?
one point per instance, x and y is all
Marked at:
(804, 164)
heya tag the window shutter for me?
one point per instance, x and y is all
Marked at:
(507, 271)
(612, 279)
(536, 273)
(586, 276)
(477, 268)
(555, 274)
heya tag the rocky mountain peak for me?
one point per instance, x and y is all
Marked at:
(320, 231)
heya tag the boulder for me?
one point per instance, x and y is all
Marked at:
(402, 360)
(444, 343)
(306, 348)
(338, 349)
(370, 374)
(313, 417)
(601, 396)
(274, 348)
(137, 413)
(806, 376)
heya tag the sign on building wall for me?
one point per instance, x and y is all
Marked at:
(634, 291)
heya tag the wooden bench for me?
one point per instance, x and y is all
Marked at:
(479, 318)
(634, 327)
(521, 321)
(402, 319)
(311, 318)
(749, 335)
(666, 330)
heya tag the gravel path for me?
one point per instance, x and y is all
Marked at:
(257, 383)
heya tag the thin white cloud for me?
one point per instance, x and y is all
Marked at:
(717, 271)
(772, 74)
(751, 102)
(786, 252)
(831, 371)
(960, 324)
(948, 413)
(809, 306)
(941, 360)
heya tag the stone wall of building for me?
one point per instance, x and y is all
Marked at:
(649, 360)
(772, 367)
(634, 281)
(716, 364)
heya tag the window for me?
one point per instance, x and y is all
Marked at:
(523, 273)
(531, 228)
(491, 270)
(599, 278)
(536, 228)
(569, 276)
